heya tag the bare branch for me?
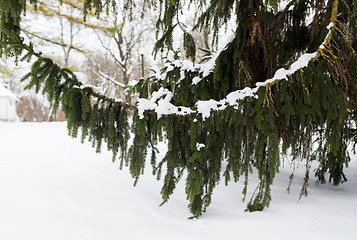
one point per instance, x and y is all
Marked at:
(52, 41)
(120, 64)
(282, 14)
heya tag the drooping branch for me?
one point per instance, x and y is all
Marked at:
(279, 21)
(249, 128)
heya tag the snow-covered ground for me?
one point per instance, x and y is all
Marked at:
(53, 187)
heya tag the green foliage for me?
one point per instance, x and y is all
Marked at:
(97, 117)
(310, 115)
(10, 17)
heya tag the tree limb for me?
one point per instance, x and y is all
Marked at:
(282, 14)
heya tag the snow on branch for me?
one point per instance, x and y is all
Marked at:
(160, 101)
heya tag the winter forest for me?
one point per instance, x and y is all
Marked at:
(188, 118)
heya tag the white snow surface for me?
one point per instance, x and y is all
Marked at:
(54, 187)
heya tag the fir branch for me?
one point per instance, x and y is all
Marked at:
(17, 43)
(247, 127)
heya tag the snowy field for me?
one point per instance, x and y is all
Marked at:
(52, 187)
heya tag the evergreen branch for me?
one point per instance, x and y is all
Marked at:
(17, 43)
(317, 101)
(278, 21)
(233, 98)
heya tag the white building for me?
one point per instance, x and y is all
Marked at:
(7, 105)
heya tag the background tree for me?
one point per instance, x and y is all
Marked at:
(108, 59)
(112, 41)
(123, 37)
(281, 84)
(30, 106)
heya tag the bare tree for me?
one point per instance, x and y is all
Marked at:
(114, 61)
(121, 42)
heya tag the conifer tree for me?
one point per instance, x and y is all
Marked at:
(282, 84)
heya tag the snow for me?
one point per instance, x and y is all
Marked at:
(171, 56)
(132, 83)
(204, 107)
(53, 187)
(196, 80)
(330, 26)
(143, 105)
(205, 69)
(199, 146)
(4, 92)
(163, 106)
(208, 67)
(283, 73)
